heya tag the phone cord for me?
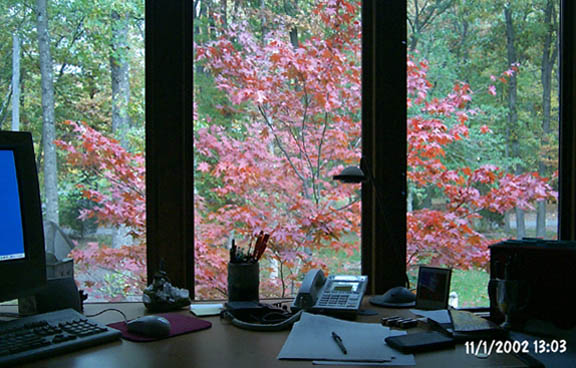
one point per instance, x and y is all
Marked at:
(269, 326)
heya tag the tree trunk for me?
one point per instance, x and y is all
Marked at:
(549, 53)
(15, 82)
(520, 223)
(4, 107)
(120, 75)
(410, 199)
(199, 12)
(513, 130)
(291, 9)
(224, 13)
(541, 219)
(507, 227)
(48, 123)
(415, 26)
(263, 21)
(423, 17)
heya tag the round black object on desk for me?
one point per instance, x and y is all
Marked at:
(397, 297)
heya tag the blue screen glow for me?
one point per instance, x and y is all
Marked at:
(11, 232)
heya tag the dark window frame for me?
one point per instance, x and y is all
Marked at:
(384, 143)
(567, 164)
(169, 139)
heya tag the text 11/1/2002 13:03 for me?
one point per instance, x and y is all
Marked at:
(487, 348)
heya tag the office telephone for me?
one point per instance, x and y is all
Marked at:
(337, 294)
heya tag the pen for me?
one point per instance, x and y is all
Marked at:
(258, 244)
(233, 255)
(262, 247)
(338, 340)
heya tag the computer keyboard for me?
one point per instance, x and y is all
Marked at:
(48, 334)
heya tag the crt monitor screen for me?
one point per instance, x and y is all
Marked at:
(12, 246)
(22, 256)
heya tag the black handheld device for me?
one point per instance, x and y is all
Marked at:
(418, 342)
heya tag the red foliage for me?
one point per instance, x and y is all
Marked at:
(122, 202)
(448, 236)
(271, 169)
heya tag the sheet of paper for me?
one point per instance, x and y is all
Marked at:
(399, 359)
(311, 339)
(202, 310)
(439, 316)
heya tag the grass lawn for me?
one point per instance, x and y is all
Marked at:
(472, 287)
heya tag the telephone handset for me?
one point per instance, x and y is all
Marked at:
(337, 294)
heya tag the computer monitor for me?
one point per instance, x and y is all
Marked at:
(22, 257)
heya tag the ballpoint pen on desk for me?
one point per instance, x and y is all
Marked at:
(339, 342)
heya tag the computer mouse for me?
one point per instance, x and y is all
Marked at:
(150, 326)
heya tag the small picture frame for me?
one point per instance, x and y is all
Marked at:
(433, 287)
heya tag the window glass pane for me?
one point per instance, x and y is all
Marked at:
(277, 90)
(482, 133)
(73, 74)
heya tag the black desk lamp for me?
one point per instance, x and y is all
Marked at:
(396, 297)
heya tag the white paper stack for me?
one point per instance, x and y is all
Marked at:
(202, 310)
(311, 339)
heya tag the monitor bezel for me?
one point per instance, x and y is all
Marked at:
(21, 277)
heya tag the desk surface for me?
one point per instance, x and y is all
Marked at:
(224, 345)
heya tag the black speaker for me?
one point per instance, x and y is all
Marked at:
(58, 294)
(547, 267)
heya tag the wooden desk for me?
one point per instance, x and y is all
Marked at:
(224, 345)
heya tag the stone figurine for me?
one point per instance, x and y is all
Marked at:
(162, 296)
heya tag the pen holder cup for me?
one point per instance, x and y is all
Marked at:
(243, 282)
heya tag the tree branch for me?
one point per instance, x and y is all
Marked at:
(349, 204)
(320, 145)
(280, 146)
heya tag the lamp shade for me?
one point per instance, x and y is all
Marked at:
(351, 174)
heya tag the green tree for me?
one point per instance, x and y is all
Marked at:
(48, 118)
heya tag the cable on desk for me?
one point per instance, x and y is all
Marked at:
(109, 310)
(286, 324)
(16, 315)
(10, 314)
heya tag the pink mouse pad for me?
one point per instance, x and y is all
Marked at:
(179, 324)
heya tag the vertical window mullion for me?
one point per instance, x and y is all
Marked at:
(384, 144)
(169, 141)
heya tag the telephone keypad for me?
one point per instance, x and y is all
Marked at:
(338, 300)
